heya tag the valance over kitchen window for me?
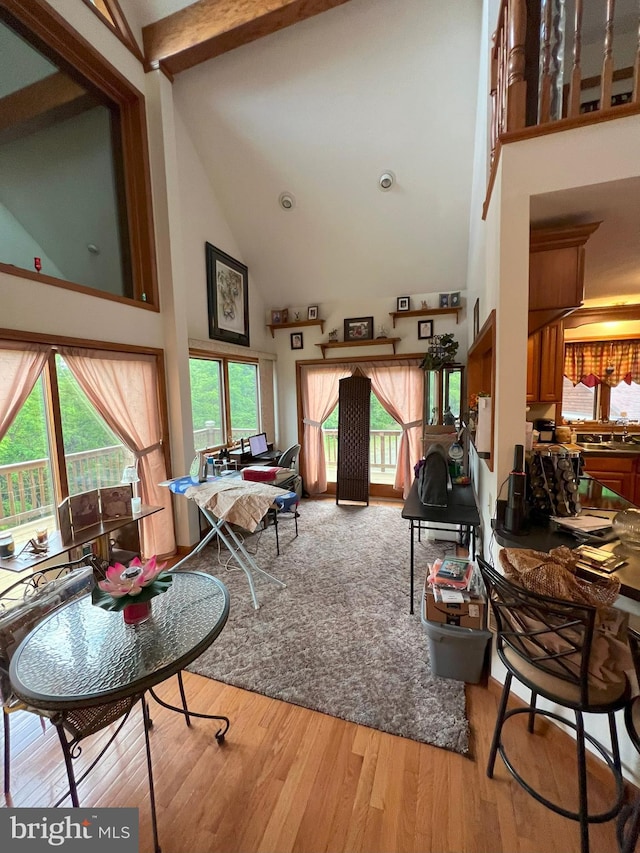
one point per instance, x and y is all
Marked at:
(606, 362)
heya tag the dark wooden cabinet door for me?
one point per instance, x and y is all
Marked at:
(551, 363)
(533, 368)
(354, 401)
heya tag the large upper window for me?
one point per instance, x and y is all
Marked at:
(74, 192)
(225, 402)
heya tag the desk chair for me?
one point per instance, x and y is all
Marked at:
(23, 605)
(289, 459)
(545, 643)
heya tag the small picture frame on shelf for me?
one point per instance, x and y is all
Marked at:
(312, 312)
(116, 502)
(454, 299)
(296, 340)
(425, 329)
(444, 300)
(358, 329)
(403, 303)
(279, 316)
(85, 509)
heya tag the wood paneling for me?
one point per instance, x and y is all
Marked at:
(210, 27)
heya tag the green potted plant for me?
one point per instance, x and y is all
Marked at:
(442, 350)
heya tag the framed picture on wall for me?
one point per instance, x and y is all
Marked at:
(296, 340)
(358, 329)
(227, 297)
(425, 329)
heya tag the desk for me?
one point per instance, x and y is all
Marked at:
(56, 546)
(82, 656)
(461, 510)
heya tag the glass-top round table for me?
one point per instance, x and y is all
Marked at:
(83, 657)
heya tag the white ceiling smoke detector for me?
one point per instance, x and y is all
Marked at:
(386, 181)
(286, 201)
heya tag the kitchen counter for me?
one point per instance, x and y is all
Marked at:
(545, 536)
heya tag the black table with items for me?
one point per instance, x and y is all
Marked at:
(461, 510)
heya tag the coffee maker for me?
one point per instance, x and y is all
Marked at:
(546, 429)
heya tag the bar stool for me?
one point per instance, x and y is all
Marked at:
(545, 643)
(628, 826)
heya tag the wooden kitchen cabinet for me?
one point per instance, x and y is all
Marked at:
(556, 272)
(545, 363)
(619, 473)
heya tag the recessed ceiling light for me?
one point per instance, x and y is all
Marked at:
(286, 201)
(386, 180)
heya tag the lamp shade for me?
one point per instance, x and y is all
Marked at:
(130, 475)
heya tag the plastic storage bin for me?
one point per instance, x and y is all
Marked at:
(456, 652)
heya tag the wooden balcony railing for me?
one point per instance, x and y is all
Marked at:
(26, 491)
(551, 73)
(383, 449)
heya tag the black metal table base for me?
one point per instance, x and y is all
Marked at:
(72, 750)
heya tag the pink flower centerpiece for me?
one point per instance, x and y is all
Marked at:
(131, 588)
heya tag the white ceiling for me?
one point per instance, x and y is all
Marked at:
(321, 109)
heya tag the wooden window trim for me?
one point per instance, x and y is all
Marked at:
(224, 359)
(119, 25)
(57, 341)
(51, 34)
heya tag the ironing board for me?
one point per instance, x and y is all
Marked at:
(224, 501)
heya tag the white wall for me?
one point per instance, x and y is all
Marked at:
(554, 162)
(334, 313)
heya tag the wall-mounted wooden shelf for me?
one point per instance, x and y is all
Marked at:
(296, 324)
(423, 312)
(371, 342)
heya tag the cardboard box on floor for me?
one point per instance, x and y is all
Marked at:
(466, 614)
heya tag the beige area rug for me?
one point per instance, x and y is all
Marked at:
(339, 639)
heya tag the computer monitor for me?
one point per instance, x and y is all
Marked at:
(258, 444)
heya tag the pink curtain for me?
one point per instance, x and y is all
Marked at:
(400, 389)
(20, 366)
(123, 387)
(319, 397)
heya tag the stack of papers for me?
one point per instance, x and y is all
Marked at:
(583, 523)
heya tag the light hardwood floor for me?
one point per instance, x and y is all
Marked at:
(291, 779)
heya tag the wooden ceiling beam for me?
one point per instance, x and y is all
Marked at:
(211, 27)
(41, 104)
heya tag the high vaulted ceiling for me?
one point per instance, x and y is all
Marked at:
(320, 109)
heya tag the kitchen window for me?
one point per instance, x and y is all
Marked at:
(601, 381)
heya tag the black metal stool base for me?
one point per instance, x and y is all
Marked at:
(582, 816)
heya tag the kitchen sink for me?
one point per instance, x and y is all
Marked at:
(609, 445)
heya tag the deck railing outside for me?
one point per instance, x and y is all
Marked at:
(26, 491)
(383, 450)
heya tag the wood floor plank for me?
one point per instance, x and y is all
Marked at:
(293, 781)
